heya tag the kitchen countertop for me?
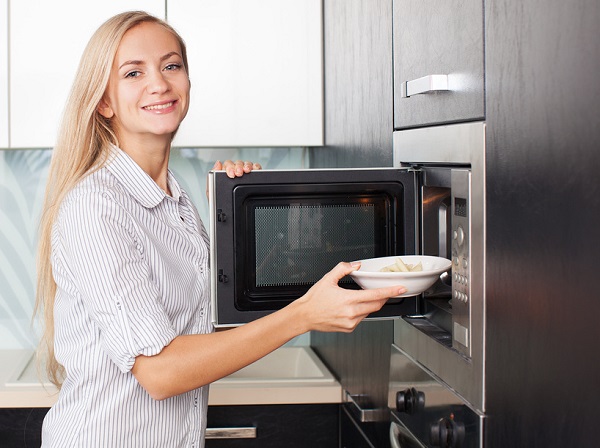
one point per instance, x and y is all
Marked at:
(289, 375)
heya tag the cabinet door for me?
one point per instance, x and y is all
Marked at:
(4, 74)
(46, 42)
(435, 37)
(287, 425)
(256, 72)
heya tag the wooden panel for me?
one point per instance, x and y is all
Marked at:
(438, 37)
(543, 160)
(358, 84)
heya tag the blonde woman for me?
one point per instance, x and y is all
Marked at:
(123, 261)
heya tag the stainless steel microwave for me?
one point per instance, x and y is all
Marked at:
(274, 233)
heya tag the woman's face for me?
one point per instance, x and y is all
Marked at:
(148, 90)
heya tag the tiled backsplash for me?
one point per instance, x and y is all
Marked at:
(23, 176)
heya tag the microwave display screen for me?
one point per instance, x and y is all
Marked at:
(460, 207)
(297, 243)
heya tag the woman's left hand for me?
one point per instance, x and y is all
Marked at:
(237, 168)
(234, 169)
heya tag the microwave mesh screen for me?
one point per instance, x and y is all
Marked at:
(298, 244)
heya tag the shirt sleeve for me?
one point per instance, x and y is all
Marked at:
(104, 255)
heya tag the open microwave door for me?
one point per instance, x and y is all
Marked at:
(274, 233)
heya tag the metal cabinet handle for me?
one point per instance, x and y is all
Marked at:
(366, 414)
(426, 84)
(231, 433)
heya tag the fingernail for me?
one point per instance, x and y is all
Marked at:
(355, 263)
(402, 291)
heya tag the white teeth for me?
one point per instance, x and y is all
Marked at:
(159, 106)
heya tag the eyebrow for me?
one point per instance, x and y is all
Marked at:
(138, 62)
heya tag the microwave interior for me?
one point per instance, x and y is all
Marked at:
(276, 233)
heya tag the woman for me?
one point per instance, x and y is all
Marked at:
(123, 262)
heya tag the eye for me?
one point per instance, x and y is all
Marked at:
(173, 66)
(133, 74)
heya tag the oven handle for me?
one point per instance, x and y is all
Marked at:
(366, 414)
(400, 437)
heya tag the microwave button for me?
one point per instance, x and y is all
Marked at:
(460, 236)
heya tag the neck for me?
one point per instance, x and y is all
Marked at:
(152, 157)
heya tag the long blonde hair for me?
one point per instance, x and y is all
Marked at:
(82, 146)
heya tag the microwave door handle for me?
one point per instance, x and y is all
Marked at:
(443, 226)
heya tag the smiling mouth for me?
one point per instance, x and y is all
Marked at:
(159, 106)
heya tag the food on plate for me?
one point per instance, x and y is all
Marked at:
(400, 266)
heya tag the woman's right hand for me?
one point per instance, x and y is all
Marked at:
(328, 307)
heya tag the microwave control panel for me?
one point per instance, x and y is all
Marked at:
(461, 269)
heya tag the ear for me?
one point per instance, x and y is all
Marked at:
(104, 109)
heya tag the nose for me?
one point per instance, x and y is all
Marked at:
(157, 83)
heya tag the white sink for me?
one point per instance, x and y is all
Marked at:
(286, 364)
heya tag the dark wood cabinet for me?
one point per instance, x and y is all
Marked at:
(357, 435)
(290, 426)
(433, 37)
(21, 427)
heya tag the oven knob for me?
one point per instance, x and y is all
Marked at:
(410, 401)
(446, 433)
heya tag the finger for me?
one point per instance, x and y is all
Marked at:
(217, 166)
(248, 166)
(229, 167)
(256, 166)
(341, 270)
(239, 168)
(381, 294)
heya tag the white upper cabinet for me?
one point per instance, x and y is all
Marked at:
(46, 41)
(255, 70)
(4, 74)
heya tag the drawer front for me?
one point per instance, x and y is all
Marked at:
(438, 38)
(273, 426)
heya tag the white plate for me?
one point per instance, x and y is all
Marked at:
(370, 277)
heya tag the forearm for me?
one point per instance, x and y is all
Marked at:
(191, 361)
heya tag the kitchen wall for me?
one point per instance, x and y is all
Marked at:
(23, 176)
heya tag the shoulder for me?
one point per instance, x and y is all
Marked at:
(97, 198)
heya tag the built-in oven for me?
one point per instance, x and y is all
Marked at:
(426, 412)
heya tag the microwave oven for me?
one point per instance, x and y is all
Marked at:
(274, 233)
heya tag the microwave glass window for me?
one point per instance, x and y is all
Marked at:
(297, 244)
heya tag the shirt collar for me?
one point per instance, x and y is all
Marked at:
(137, 182)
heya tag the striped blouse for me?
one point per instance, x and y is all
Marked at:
(131, 267)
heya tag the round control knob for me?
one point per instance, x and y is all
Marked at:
(446, 433)
(410, 401)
